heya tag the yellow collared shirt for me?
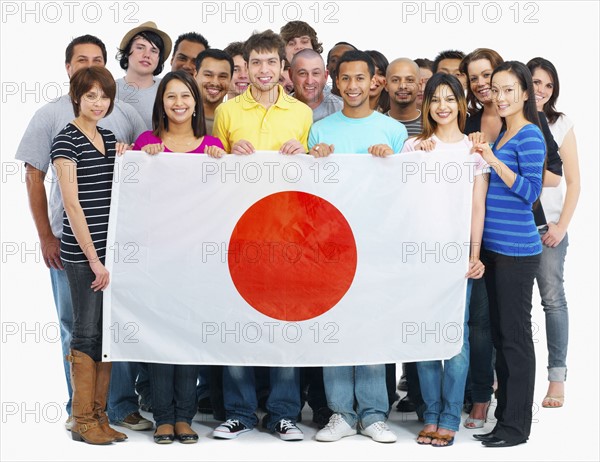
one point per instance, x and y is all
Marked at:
(243, 118)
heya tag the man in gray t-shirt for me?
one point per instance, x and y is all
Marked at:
(142, 54)
(34, 150)
(309, 76)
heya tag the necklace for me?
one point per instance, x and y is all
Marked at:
(85, 133)
(179, 143)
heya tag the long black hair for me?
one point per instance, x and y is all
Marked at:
(520, 71)
(160, 122)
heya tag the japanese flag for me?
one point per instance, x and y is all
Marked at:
(280, 260)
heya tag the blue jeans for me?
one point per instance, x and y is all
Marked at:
(366, 385)
(64, 309)
(122, 399)
(239, 394)
(443, 387)
(550, 282)
(87, 310)
(481, 371)
(203, 387)
(173, 392)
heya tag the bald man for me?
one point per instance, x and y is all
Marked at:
(309, 77)
(402, 84)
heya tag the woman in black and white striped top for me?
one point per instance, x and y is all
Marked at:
(84, 157)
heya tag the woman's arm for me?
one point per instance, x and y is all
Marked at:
(66, 171)
(480, 188)
(568, 150)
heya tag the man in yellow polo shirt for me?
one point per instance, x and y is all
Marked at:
(264, 117)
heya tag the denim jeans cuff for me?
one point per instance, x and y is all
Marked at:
(119, 416)
(453, 427)
(371, 419)
(557, 374)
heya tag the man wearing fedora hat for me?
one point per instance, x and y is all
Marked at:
(142, 54)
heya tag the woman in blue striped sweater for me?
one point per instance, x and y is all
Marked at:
(512, 248)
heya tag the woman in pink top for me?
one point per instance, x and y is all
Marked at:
(178, 120)
(443, 383)
(178, 126)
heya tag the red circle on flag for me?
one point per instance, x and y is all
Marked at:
(292, 256)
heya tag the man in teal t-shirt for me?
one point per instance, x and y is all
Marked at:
(356, 128)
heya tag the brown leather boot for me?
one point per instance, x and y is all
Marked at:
(83, 380)
(101, 392)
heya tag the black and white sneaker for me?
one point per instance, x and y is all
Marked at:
(230, 429)
(288, 431)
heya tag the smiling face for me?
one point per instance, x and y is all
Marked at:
(377, 83)
(214, 78)
(507, 94)
(543, 86)
(402, 83)
(184, 57)
(178, 102)
(85, 55)
(309, 77)
(354, 83)
(94, 104)
(239, 80)
(264, 69)
(443, 108)
(480, 73)
(296, 44)
(143, 57)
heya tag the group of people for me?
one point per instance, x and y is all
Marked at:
(270, 93)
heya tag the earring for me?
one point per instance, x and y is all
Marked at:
(194, 114)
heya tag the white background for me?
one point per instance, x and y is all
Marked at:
(32, 54)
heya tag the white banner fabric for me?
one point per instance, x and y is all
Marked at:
(275, 260)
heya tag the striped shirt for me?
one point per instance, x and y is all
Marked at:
(509, 224)
(94, 182)
(413, 127)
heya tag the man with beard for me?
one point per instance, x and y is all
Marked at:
(402, 84)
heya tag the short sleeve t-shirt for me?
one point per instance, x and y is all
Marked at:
(94, 183)
(355, 136)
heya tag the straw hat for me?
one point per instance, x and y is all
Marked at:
(149, 26)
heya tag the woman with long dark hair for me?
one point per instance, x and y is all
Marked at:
(559, 210)
(512, 248)
(178, 126)
(443, 382)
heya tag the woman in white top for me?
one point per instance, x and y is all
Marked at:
(443, 383)
(559, 210)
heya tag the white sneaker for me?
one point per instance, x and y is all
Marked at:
(380, 432)
(337, 428)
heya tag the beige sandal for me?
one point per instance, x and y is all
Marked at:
(553, 399)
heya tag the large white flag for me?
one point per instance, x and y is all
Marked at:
(287, 260)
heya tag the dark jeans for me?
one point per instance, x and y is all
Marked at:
(87, 310)
(509, 283)
(173, 392)
(481, 372)
(312, 387)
